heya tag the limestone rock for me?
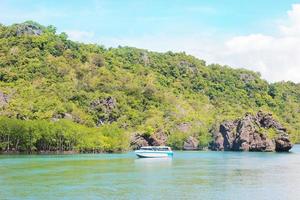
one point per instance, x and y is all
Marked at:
(159, 138)
(138, 140)
(191, 143)
(28, 29)
(106, 104)
(283, 143)
(105, 108)
(3, 99)
(184, 127)
(247, 77)
(247, 134)
(145, 58)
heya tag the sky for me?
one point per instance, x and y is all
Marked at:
(260, 35)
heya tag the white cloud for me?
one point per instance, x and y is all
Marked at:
(83, 36)
(275, 56)
(294, 19)
(251, 42)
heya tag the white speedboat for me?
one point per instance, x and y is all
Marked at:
(154, 152)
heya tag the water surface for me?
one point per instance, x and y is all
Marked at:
(189, 175)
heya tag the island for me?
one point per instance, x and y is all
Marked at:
(58, 95)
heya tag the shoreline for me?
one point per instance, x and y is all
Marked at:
(122, 152)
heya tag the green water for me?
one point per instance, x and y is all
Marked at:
(189, 175)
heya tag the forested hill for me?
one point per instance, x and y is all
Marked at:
(56, 94)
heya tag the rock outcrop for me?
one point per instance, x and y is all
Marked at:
(250, 134)
(68, 116)
(105, 107)
(106, 104)
(191, 143)
(3, 99)
(28, 29)
(138, 141)
(144, 58)
(159, 138)
(184, 127)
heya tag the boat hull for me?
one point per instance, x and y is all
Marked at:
(149, 154)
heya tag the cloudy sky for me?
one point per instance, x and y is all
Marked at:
(261, 35)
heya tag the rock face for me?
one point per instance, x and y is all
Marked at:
(249, 134)
(191, 143)
(187, 66)
(247, 77)
(158, 138)
(184, 127)
(138, 140)
(68, 116)
(145, 58)
(3, 99)
(105, 107)
(28, 29)
(107, 104)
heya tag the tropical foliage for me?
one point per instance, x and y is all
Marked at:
(57, 94)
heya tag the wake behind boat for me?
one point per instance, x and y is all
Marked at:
(154, 152)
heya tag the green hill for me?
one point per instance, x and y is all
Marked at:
(56, 94)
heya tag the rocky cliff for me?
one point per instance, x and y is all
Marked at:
(159, 138)
(260, 132)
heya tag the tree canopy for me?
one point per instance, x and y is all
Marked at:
(56, 94)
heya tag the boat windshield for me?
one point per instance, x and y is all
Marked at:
(162, 149)
(146, 148)
(156, 148)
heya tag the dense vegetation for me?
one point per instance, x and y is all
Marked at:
(57, 94)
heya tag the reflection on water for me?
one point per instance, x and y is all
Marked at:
(188, 175)
(144, 163)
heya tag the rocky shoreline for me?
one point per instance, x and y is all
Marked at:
(254, 132)
(260, 132)
(160, 139)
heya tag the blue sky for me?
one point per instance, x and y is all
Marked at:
(123, 18)
(204, 28)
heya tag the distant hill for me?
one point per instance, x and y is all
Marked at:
(60, 95)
